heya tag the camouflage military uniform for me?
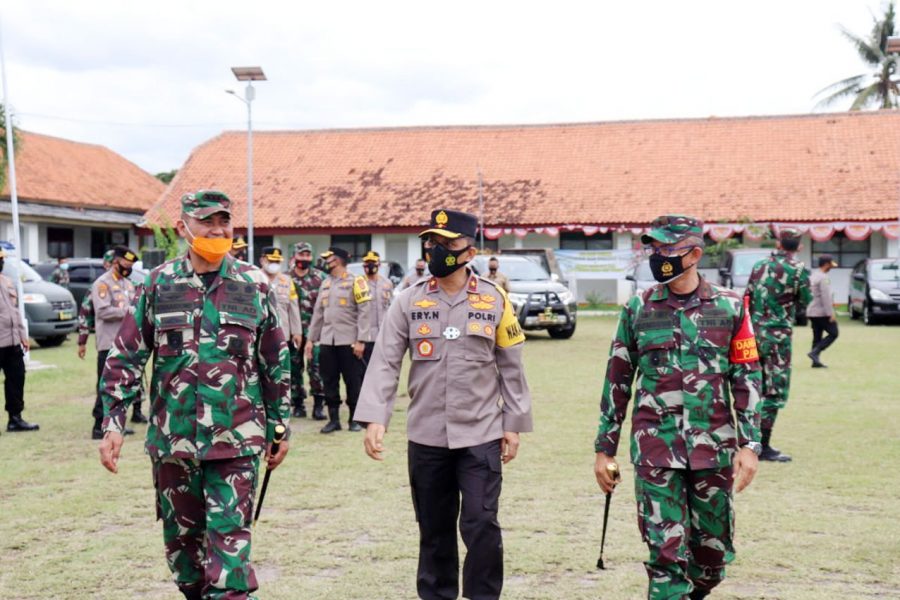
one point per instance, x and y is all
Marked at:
(308, 291)
(220, 385)
(778, 287)
(85, 319)
(60, 276)
(691, 356)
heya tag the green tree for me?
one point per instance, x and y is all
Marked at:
(166, 238)
(877, 88)
(166, 176)
(17, 142)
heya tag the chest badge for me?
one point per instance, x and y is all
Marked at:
(425, 348)
(452, 333)
(424, 329)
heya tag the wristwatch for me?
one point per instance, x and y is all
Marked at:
(754, 447)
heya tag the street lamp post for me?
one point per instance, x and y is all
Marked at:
(249, 74)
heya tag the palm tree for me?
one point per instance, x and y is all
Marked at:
(878, 88)
(3, 158)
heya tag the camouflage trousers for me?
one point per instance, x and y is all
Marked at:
(298, 391)
(775, 358)
(686, 520)
(207, 509)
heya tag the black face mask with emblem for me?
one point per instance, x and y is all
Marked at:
(443, 262)
(304, 264)
(666, 269)
(371, 269)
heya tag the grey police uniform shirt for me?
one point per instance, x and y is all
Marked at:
(822, 304)
(286, 305)
(466, 383)
(382, 291)
(12, 329)
(341, 316)
(112, 297)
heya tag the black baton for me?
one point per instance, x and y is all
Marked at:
(613, 469)
(280, 431)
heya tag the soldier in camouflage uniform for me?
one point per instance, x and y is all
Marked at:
(220, 386)
(307, 280)
(778, 290)
(691, 346)
(60, 275)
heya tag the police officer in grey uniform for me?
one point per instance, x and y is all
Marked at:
(112, 295)
(821, 310)
(340, 326)
(468, 403)
(382, 292)
(13, 346)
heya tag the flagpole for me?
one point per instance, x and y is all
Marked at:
(13, 196)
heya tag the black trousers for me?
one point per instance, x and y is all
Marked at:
(336, 362)
(97, 412)
(367, 355)
(822, 325)
(12, 362)
(439, 477)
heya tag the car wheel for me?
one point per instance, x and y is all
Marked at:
(867, 316)
(561, 333)
(51, 342)
(853, 314)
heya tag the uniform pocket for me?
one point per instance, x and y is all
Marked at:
(424, 340)
(656, 358)
(173, 334)
(237, 337)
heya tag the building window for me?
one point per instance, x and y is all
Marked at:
(490, 246)
(60, 242)
(356, 245)
(576, 240)
(846, 252)
(104, 239)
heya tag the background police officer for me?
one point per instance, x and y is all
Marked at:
(686, 340)
(466, 350)
(221, 375)
(13, 346)
(286, 297)
(495, 275)
(382, 292)
(416, 275)
(778, 289)
(340, 326)
(112, 295)
(821, 310)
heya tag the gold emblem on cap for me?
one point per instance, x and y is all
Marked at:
(441, 219)
(667, 268)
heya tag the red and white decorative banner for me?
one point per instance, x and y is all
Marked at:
(891, 230)
(721, 232)
(552, 231)
(821, 232)
(493, 233)
(520, 232)
(858, 231)
(590, 230)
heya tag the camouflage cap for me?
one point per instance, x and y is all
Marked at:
(109, 255)
(205, 203)
(671, 229)
(303, 247)
(789, 233)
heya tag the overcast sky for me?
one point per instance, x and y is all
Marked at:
(147, 79)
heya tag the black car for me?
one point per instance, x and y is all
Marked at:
(875, 290)
(538, 299)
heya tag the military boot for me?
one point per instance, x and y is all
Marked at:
(318, 408)
(191, 592)
(334, 420)
(768, 452)
(816, 363)
(300, 410)
(97, 431)
(17, 423)
(698, 594)
(137, 416)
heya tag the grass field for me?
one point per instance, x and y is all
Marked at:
(337, 525)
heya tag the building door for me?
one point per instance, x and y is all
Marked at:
(104, 239)
(60, 242)
(356, 245)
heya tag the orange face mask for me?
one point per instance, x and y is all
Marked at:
(212, 250)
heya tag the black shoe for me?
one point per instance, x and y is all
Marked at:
(814, 356)
(319, 414)
(300, 411)
(331, 426)
(698, 594)
(129, 431)
(774, 455)
(96, 434)
(819, 365)
(138, 417)
(17, 423)
(354, 426)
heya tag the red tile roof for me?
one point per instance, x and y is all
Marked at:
(51, 170)
(785, 168)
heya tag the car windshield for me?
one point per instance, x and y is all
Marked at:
(884, 271)
(743, 263)
(14, 267)
(518, 269)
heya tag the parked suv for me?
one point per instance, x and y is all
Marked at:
(50, 309)
(539, 301)
(736, 265)
(84, 271)
(875, 290)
